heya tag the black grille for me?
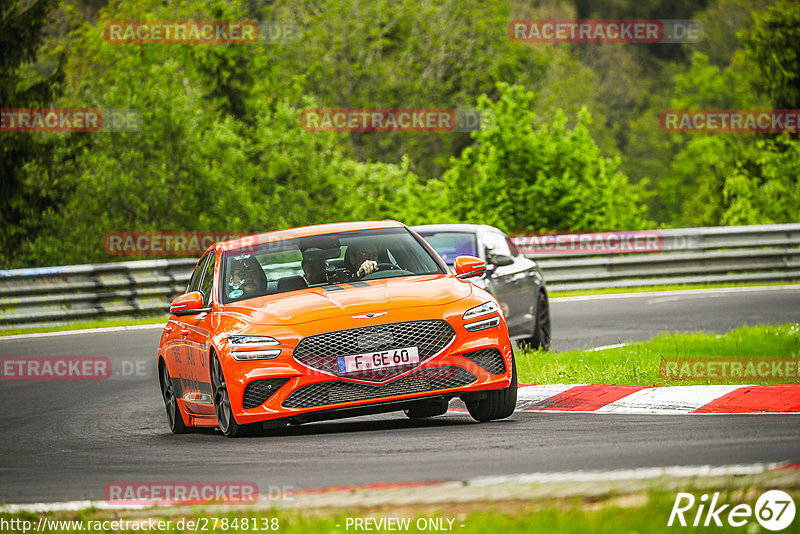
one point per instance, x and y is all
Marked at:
(321, 351)
(489, 359)
(258, 391)
(334, 392)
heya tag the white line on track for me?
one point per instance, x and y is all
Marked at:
(69, 506)
(84, 331)
(650, 294)
(456, 487)
(644, 473)
(606, 347)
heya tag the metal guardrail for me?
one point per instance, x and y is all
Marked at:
(721, 237)
(729, 254)
(59, 295)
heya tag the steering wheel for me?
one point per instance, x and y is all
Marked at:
(388, 267)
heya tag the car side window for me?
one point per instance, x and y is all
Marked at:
(197, 275)
(208, 281)
(496, 243)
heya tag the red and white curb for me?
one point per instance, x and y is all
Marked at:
(784, 398)
(670, 400)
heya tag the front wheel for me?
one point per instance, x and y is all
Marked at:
(222, 404)
(498, 403)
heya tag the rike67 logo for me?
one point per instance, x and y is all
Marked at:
(774, 510)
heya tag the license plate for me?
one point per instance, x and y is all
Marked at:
(378, 359)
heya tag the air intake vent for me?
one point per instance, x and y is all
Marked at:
(335, 392)
(489, 359)
(258, 391)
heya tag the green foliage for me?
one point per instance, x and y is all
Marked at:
(721, 21)
(737, 179)
(778, 193)
(774, 45)
(730, 180)
(420, 54)
(198, 164)
(222, 148)
(524, 173)
(21, 35)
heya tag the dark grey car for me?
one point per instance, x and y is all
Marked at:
(513, 279)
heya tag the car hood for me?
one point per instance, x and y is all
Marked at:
(377, 296)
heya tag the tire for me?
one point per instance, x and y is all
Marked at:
(174, 417)
(428, 409)
(498, 403)
(222, 404)
(541, 335)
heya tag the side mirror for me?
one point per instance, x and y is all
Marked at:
(187, 304)
(469, 267)
(500, 260)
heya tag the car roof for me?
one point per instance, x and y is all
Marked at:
(470, 228)
(304, 231)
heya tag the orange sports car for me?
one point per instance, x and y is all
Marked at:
(331, 321)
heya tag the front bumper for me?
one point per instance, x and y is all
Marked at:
(473, 361)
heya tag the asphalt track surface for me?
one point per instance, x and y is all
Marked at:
(65, 440)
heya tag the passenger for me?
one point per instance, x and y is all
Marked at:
(315, 271)
(361, 260)
(247, 278)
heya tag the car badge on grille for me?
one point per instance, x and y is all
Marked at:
(369, 315)
(373, 340)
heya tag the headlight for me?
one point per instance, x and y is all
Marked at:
(484, 309)
(252, 341)
(242, 344)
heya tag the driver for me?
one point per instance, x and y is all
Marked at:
(361, 260)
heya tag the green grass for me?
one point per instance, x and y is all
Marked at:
(99, 323)
(639, 363)
(643, 512)
(673, 287)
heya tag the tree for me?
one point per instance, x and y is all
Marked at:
(774, 46)
(423, 54)
(523, 173)
(21, 35)
(722, 20)
(745, 178)
(197, 164)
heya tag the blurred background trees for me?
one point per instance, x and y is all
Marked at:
(573, 144)
(24, 82)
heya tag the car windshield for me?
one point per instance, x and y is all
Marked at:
(323, 260)
(450, 245)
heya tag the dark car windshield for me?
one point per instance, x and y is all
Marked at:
(450, 245)
(323, 260)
